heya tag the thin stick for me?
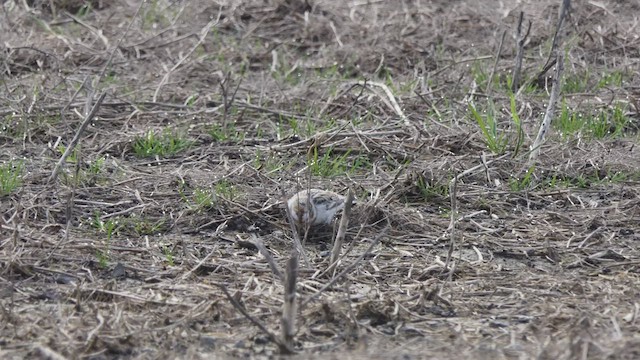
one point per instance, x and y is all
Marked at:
(203, 34)
(392, 100)
(548, 116)
(342, 231)
(267, 255)
(556, 40)
(520, 40)
(70, 205)
(479, 166)
(15, 219)
(219, 229)
(198, 265)
(117, 46)
(453, 190)
(289, 310)
(224, 90)
(346, 269)
(284, 349)
(73, 98)
(76, 138)
(495, 63)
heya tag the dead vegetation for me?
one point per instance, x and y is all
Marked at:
(162, 233)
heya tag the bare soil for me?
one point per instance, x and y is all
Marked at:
(545, 268)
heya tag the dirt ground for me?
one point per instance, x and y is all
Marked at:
(124, 254)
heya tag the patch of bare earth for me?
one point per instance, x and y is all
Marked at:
(126, 256)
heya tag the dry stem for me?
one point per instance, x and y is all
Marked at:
(289, 309)
(495, 63)
(76, 138)
(346, 269)
(520, 40)
(551, 107)
(557, 37)
(342, 230)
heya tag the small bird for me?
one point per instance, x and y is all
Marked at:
(315, 207)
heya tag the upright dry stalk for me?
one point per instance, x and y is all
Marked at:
(556, 49)
(453, 193)
(349, 267)
(555, 45)
(289, 310)
(520, 40)
(548, 116)
(267, 255)
(72, 145)
(284, 349)
(342, 230)
(495, 63)
(227, 100)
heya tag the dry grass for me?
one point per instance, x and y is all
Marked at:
(124, 256)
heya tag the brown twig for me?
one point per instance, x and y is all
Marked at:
(70, 205)
(353, 103)
(226, 100)
(342, 231)
(117, 46)
(551, 107)
(219, 230)
(557, 36)
(203, 35)
(520, 40)
(267, 255)
(96, 32)
(289, 310)
(284, 348)
(76, 138)
(82, 86)
(495, 63)
(453, 192)
(348, 268)
(479, 166)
